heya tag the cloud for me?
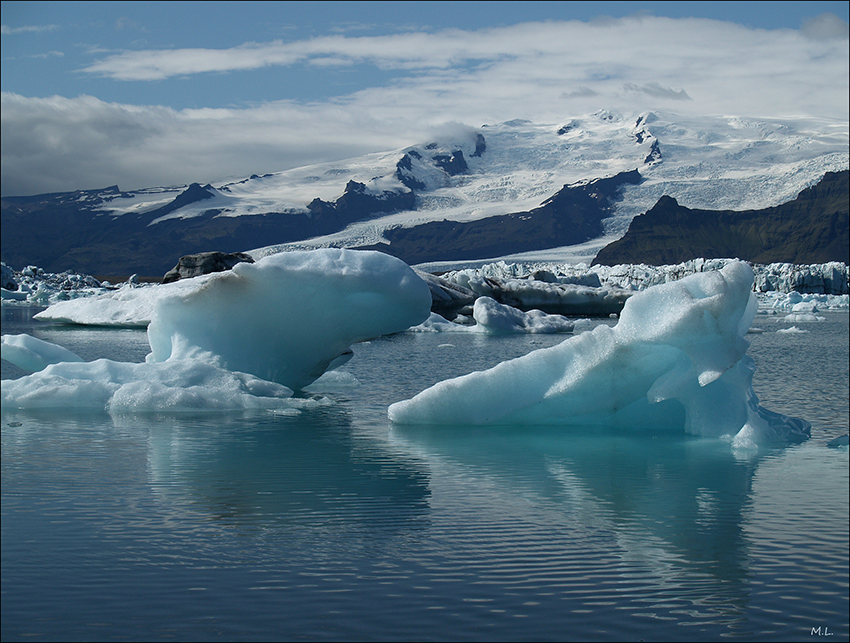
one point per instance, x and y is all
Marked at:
(826, 26)
(60, 144)
(49, 54)
(656, 90)
(544, 72)
(6, 30)
(157, 65)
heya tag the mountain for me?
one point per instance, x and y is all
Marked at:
(813, 228)
(572, 216)
(559, 190)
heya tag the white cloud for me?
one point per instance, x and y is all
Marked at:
(540, 71)
(156, 65)
(654, 89)
(6, 30)
(49, 54)
(826, 26)
(58, 144)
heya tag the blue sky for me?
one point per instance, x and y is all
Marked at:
(151, 93)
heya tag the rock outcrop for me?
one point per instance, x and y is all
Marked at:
(811, 229)
(204, 263)
(572, 215)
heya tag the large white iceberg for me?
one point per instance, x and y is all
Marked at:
(676, 359)
(234, 340)
(288, 316)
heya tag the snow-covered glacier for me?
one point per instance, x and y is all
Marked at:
(676, 360)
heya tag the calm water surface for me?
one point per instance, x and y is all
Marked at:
(332, 525)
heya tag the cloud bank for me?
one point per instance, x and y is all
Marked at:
(539, 71)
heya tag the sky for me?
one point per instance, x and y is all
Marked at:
(142, 94)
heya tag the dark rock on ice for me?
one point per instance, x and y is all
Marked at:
(7, 277)
(446, 297)
(204, 263)
(453, 164)
(654, 155)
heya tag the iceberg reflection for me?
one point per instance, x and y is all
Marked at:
(303, 470)
(670, 507)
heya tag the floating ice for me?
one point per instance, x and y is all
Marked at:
(676, 359)
(286, 317)
(32, 354)
(804, 311)
(197, 384)
(792, 331)
(234, 340)
(494, 318)
(128, 306)
(556, 297)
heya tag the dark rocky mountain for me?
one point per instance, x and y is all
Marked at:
(573, 215)
(435, 192)
(813, 228)
(77, 231)
(70, 231)
(357, 203)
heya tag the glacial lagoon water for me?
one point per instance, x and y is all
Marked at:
(329, 524)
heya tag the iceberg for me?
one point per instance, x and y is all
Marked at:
(288, 316)
(32, 354)
(497, 319)
(493, 318)
(676, 360)
(241, 339)
(197, 384)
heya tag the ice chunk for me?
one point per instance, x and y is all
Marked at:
(129, 306)
(196, 384)
(32, 354)
(436, 323)
(792, 331)
(496, 318)
(794, 318)
(676, 359)
(235, 340)
(288, 316)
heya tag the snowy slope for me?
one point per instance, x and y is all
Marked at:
(712, 162)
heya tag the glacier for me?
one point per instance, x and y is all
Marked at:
(676, 360)
(236, 340)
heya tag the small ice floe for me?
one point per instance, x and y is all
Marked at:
(793, 330)
(841, 441)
